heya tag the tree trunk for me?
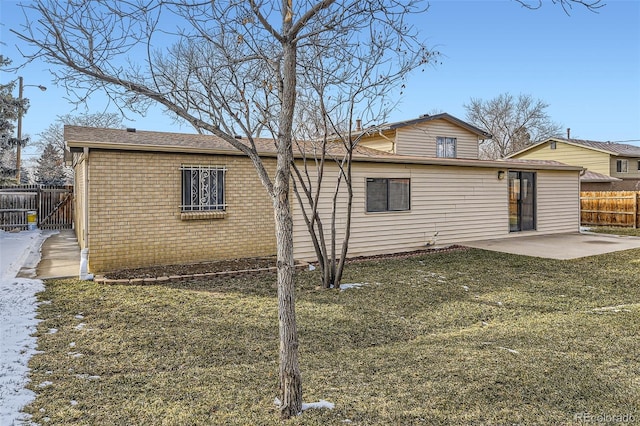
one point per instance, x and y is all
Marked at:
(290, 378)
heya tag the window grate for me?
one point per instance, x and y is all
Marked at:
(203, 188)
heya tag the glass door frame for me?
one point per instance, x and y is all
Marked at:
(522, 199)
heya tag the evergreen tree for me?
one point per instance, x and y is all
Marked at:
(9, 110)
(50, 170)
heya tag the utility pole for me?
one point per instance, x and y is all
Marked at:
(20, 112)
(18, 145)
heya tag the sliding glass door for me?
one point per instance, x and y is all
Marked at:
(522, 201)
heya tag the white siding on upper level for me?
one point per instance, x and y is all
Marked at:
(420, 139)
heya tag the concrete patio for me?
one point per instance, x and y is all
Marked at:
(559, 246)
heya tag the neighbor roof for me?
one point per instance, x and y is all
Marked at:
(77, 138)
(590, 176)
(612, 148)
(444, 116)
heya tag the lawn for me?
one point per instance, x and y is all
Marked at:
(616, 230)
(466, 337)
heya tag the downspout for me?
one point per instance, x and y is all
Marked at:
(393, 142)
(84, 253)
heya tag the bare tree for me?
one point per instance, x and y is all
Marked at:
(514, 123)
(230, 67)
(54, 133)
(567, 5)
(356, 84)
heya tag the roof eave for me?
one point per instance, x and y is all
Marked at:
(501, 164)
(159, 148)
(444, 116)
(468, 163)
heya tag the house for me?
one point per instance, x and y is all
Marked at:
(151, 198)
(440, 135)
(609, 166)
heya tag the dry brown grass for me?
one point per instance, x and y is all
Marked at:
(469, 337)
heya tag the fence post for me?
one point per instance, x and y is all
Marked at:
(635, 210)
(39, 217)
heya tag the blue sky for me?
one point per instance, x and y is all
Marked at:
(586, 66)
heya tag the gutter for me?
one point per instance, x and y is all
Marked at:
(388, 158)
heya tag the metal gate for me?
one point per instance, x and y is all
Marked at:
(53, 205)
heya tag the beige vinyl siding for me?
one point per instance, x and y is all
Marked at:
(381, 143)
(420, 139)
(558, 201)
(633, 172)
(461, 203)
(595, 161)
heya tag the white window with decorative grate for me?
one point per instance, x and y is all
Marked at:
(203, 189)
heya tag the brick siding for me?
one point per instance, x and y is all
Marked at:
(135, 218)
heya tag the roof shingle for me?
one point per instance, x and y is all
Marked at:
(613, 147)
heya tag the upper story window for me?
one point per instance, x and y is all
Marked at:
(553, 145)
(384, 195)
(622, 166)
(202, 188)
(639, 165)
(446, 147)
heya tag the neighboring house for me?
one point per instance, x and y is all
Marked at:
(609, 166)
(150, 198)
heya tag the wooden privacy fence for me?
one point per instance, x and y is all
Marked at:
(53, 206)
(610, 208)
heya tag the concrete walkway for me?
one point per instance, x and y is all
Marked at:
(559, 246)
(60, 258)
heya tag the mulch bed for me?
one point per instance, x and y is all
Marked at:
(230, 268)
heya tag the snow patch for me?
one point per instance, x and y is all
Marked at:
(18, 321)
(52, 331)
(513, 351)
(80, 326)
(613, 309)
(87, 377)
(344, 287)
(307, 406)
(317, 405)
